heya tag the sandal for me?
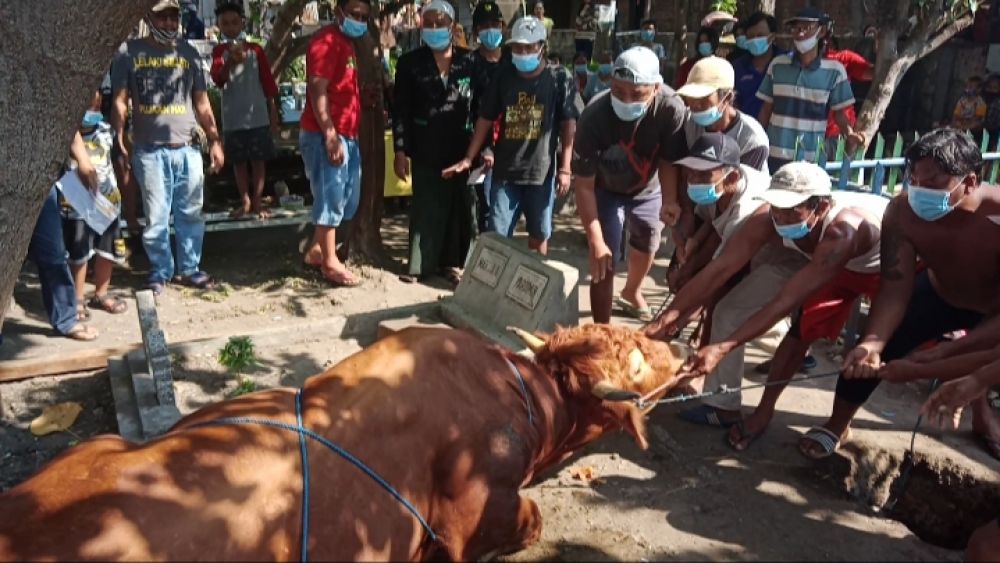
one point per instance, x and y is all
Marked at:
(827, 440)
(82, 332)
(82, 312)
(644, 314)
(341, 279)
(197, 280)
(156, 286)
(706, 416)
(743, 439)
(109, 304)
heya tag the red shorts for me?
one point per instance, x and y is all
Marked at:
(824, 313)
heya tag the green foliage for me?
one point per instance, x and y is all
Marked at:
(295, 71)
(728, 6)
(246, 385)
(238, 354)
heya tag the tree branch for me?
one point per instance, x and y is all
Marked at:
(918, 49)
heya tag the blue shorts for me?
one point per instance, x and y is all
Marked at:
(508, 201)
(640, 214)
(336, 190)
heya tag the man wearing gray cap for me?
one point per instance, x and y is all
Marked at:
(837, 239)
(162, 75)
(532, 100)
(627, 140)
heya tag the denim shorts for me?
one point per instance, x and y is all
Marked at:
(336, 190)
(508, 201)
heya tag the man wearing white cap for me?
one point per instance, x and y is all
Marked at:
(432, 124)
(532, 100)
(837, 235)
(626, 143)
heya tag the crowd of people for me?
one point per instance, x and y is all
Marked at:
(496, 132)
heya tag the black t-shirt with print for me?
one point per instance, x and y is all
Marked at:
(532, 110)
(624, 155)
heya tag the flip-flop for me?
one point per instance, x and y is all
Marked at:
(82, 312)
(644, 314)
(340, 281)
(745, 438)
(826, 439)
(197, 280)
(82, 332)
(704, 415)
(109, 304)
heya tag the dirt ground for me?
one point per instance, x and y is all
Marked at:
(688, 497)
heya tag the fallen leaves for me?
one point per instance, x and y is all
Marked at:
(56, 418)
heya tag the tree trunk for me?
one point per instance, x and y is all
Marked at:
(48, 81)
(747, 7)
(279, 49)
(364, 234)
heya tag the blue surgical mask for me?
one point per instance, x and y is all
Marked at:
(240, 38)
(91, 119)
(353, 28)
(704, 49)
(929, 204)
(437, 38)
(490, 38)
(707, 117)
(741, 42)
(526, 63)
(647, 35)
(704, 194)
(605, 69)
(794, 231)
(628, 111)
(758, 45)
(582, 69)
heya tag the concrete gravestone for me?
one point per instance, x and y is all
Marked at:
(505, 284)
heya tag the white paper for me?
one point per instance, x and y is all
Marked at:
(95, 209)
(477, 176)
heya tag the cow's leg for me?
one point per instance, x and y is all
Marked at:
(507, 526)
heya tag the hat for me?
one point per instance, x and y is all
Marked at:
(809, 14)
(486, 12)
(442, 6)
(527, 31)
(708, 75)
(711, 151)
(166, 5)
(717, 16)
(638, 65)
(796, 182)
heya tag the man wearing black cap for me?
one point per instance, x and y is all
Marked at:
(488, 25)
(801, 89)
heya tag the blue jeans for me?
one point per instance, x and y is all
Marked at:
(336, 190)
(48, 251)
(172, 180)
(508, 201)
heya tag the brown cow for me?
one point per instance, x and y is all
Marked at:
(440, 414)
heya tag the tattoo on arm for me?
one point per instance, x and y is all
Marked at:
(890, 252)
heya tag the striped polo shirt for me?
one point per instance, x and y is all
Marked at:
(802, 99)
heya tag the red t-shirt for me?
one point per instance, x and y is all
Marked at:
(331, 56)
(856, 66)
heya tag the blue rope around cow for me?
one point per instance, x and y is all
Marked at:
(304, 433)
(524, 389)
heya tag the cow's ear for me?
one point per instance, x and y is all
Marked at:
(631, 420)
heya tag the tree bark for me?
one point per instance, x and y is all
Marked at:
(48, 81)
(895, 56)
(747, 7)
(279, 45)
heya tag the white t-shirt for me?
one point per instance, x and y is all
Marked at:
(744, 203)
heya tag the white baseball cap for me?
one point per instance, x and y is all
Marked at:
(796, 182)
(527, 31)
(442, 6)
(638, 65)
(707, 76)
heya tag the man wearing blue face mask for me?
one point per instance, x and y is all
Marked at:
(749, 70)
(812, 253)
(647, 38)
(534, 102)
(950, 222)
(601, 80)
(625, 147)
(432, 125)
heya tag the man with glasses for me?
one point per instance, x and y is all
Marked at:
(626, 143)
(162, 75)
(801, 89)
(812, 254)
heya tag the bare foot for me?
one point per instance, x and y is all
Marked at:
(743, 434)
(239, 212)
(986, 426)
(636, 299)
(313, 258)
(260, 210)
(340, 276)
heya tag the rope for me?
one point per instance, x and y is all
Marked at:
(896, 493)
(306, 433)
(524, 389)
(642, 402)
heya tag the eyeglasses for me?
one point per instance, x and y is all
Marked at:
(802, 27)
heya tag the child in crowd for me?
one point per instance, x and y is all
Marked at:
(92, 157)
(970, 110)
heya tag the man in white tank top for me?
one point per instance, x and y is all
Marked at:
(814, 253)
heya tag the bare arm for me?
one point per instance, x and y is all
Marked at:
(483, 129)
(899, 262)
(316, 89)
(203, 113)
(947, 369)
(586, 208)
(765, 113)
(567, 132)
(120, 110)
(78, 150)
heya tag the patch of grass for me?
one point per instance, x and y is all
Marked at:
(238, 354)
(246, 385)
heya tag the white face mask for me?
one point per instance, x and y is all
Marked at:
(807, 44)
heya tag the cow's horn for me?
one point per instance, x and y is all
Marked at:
(638, 367)
(533, 342)
(607, 392)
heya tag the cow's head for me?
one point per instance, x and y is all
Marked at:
(596, 365)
